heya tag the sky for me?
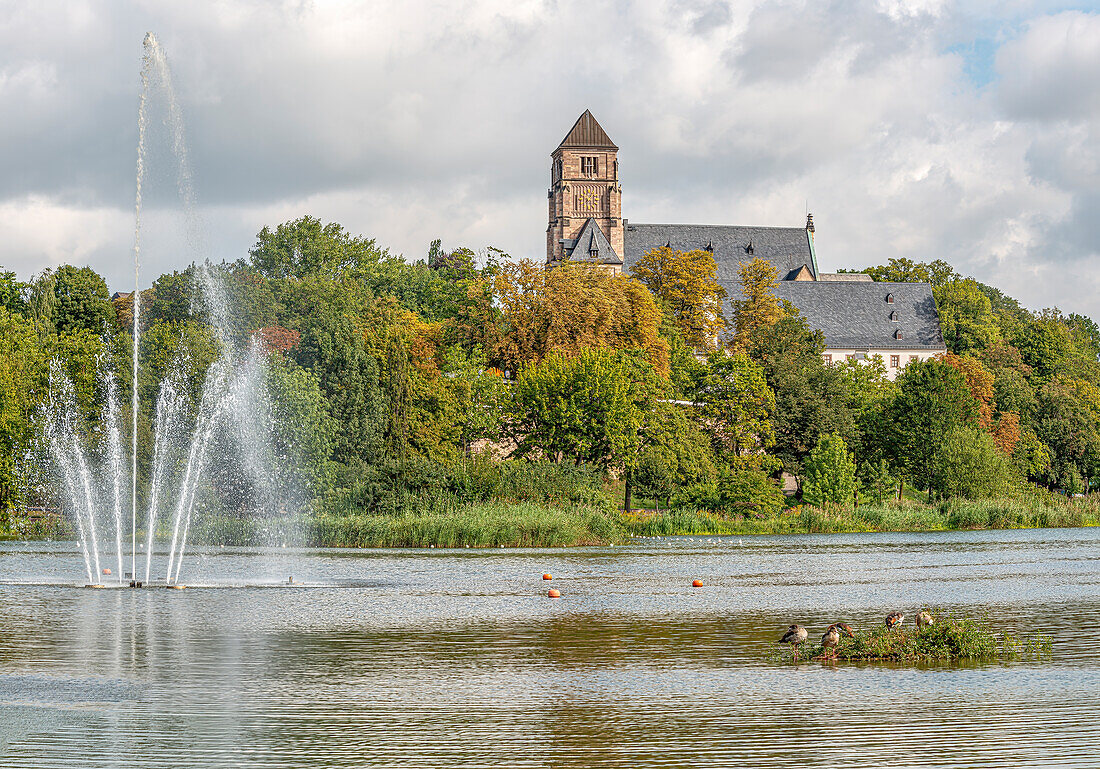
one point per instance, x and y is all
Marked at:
(925, 129)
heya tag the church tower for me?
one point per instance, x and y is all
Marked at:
(585, 198)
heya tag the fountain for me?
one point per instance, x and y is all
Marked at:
(232, 417)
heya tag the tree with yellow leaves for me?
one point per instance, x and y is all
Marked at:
(758, 306)
(685, 283)
(571, 307)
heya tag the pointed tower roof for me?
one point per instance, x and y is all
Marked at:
(586, 132)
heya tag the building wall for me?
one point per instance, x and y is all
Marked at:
(839, 355)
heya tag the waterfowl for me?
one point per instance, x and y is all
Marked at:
(893, 619)
(831, 639)
(925, 618)
(795, 635)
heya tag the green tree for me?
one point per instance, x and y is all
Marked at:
(589, 408)
(82, 301)
(810, 398)
(22, 387)
(675, 453)
(876, 480)
(937, 272)
(750, 493)
(736, 404)
(966, 317)
(306, 247)
(479, 395)
(830, 473)
(967, 464)
(11, 293)
(932, 400)
(303, 428)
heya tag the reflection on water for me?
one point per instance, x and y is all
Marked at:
(457, 658)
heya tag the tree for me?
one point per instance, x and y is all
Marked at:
(967, 464)
(334, 352)
(810, 398)
(750, 492)
(11, 293)
(675, 453)
(979, 382)
(830, 473)
(758, 307)
(479, 394)
(306, 247)
(571, 307)
(588, 408)
(966, 316)
(937, 272)
(82, 301)
(685, 282)
(1067, 423)
(303, 430)
(876, 480)
(932, 400)
(22, 387)
(736, 404)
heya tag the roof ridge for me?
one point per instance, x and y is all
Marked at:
(716, 226)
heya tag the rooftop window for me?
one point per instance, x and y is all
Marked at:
(889, 299)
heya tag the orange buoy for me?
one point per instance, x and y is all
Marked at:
(547, 576)
(697, 583)
(554, 593)
(107, 572)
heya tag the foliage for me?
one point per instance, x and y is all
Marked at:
(675, 453)
(830, 473)
(685, 282)
(83, 303)
(306, 247)
(589, 408)
(572, 307)
(737, 404)
(876, 481)
(966, 316)
(22, 386)
(968, 464)
(758, 307)
(937, 272)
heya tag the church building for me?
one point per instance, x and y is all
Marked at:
(859, 318)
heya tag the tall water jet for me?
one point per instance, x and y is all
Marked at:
(230, 415)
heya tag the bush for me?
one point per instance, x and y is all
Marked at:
(750, 492)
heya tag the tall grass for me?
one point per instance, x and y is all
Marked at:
(1036, 511)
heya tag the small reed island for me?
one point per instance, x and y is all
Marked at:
(932, 636)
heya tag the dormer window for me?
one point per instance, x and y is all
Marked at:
(897, 334)
(894, 315)
(709, 247)
(588, 166)
(749, 249)
(889, 299)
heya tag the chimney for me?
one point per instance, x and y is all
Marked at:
(809, 223)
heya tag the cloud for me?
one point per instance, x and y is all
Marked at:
(424, 119)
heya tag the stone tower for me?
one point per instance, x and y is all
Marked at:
(585, 198)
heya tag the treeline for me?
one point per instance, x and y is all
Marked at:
(463, 378)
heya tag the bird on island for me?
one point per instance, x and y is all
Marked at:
(893, 619)
(925, 619)
(831, 639)
(795, 635)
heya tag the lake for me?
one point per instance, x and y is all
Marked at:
(441, 658)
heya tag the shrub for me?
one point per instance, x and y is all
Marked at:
(750, 492)
(969, 465)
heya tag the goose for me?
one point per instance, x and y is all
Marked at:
(925, 619)
(831, 639)
(795, 635)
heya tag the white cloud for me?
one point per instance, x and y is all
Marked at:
(415, 120)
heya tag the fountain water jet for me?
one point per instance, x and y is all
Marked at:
(185, 429)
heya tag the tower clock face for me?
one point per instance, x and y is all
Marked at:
(588, 199)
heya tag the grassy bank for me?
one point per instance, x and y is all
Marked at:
(950, 515)
(490, 524)
(949, 639)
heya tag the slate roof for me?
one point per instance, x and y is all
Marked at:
(856, 315)
(586, 132)
(589, 239)
(788, 248)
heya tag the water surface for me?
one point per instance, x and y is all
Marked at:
(457, 657)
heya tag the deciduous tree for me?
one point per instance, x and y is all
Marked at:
(685, 283)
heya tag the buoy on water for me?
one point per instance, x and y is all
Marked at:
(697, 583)
(553, 593)
(547, 576)
(107, 572)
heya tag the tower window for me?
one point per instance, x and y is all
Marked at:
(588, 166)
